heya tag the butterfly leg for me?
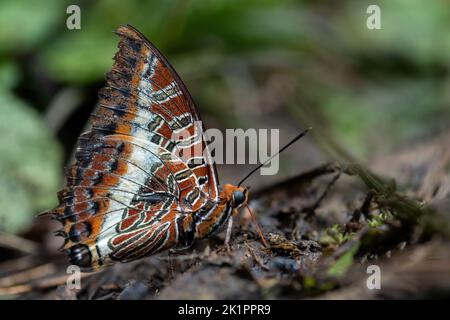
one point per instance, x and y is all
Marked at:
(178, 250)
(228, 234)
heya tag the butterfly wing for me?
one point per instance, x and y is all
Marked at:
(133, 182)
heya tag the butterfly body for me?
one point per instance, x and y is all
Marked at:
(132, 191)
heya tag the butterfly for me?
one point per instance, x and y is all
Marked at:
(130, 193)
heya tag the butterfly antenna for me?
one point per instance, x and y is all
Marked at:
(273, 156)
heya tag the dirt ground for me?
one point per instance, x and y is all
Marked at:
(323, 227)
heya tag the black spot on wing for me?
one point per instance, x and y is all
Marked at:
(80, 255)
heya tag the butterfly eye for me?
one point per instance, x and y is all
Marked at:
(238, 197)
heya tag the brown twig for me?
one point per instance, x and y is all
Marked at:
(14, 242)
(312, 209)
(40, 284)
(28, 275)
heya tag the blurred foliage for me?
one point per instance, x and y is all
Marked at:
(341, 266)
(314, 64)
(29, 161)
(25, 24)
(415, 30)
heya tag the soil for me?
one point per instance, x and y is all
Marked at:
(324, 228)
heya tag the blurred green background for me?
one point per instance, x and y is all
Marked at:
(268, 64)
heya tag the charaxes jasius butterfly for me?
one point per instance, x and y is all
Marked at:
(129, 194)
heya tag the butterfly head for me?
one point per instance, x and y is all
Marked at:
(237, 196)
